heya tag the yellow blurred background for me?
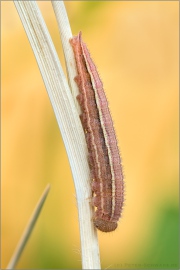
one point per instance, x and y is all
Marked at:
(135, 46)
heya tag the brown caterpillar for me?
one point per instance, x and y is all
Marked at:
(104, 158)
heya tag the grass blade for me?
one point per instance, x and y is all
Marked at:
(66, 114)
(28, 230)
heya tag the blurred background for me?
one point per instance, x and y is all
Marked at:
(135, 47)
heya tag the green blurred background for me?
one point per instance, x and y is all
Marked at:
(135, 46)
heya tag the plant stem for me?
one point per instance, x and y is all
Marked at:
(68, 120)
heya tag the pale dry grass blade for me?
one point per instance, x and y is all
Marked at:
(66, 35)
(68, 120)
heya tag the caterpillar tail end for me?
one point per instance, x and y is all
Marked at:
(105, 225)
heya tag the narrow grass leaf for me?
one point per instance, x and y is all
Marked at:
(28, 230)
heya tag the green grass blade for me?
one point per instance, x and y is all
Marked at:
(27, 232)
